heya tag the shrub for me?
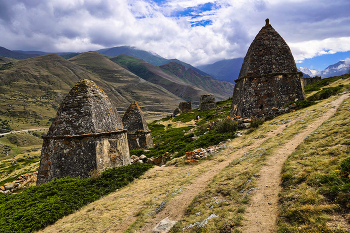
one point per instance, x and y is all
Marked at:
(39, 206)
(256, 122)
(325, 93)
(226, 125)
(316, 86)
(345, 167)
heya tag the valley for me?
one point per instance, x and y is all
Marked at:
(222, 192)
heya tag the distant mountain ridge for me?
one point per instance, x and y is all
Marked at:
(175, 77)
(339, 68)
(224, 70)
(148, 57)
(32, 89)
(4, 52)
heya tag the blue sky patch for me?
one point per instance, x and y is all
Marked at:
(197, 10)
(201, 23)
(159, 2)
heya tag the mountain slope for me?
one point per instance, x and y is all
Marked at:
(134, 52)
(225, 70)
(32, 89)
(339, 68)
(149, 57)
(156, 75)
(221, 89)
(16, 55)
(185, 83)
(123, 87)
(4, 60)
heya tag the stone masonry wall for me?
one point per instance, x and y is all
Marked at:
(139, 136)
(262, 96)
(307, 81)
(185, 106)
(207, 102)
(81, 155)
(87, 134)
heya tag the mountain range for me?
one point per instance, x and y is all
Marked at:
(31, 89)
(339, 68)
(225, 70)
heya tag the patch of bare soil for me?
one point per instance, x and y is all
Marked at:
(261, 215)
(175, 209)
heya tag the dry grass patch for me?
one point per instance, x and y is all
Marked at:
(306, 204)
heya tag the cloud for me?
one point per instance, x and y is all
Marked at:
(195, 31)
(347, 61)
(312, 48)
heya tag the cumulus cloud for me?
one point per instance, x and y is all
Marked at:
(195, 31)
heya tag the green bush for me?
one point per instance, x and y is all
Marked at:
(325, 93)
(40, 206)
(256, 122)
(227, 125)
(4, 126)
(316, 86)
(345, 167)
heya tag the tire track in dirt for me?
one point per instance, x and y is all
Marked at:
(175, 209)
(261, 215)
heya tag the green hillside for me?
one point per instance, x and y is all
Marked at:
(32, 89)
(124, 87)
(185, 83)
(156, 75)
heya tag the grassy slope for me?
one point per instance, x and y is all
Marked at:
(123, 87)
(156, 75)
(221, 89)
(32, 89)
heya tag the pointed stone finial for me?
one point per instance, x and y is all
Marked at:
(267, 21)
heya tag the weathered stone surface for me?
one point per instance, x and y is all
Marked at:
(207, 102)
(86, 135)
(164, 226)
(185, 106)
(268, 78)
(139, 136)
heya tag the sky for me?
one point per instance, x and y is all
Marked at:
(195, 31)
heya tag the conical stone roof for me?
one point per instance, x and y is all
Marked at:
(85, 110)
(268, 54)
(134, 120)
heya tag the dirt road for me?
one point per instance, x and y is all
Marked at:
(262, 214)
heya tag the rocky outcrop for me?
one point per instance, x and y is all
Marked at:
(268, 78)
(86, 135)
(21, 182)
